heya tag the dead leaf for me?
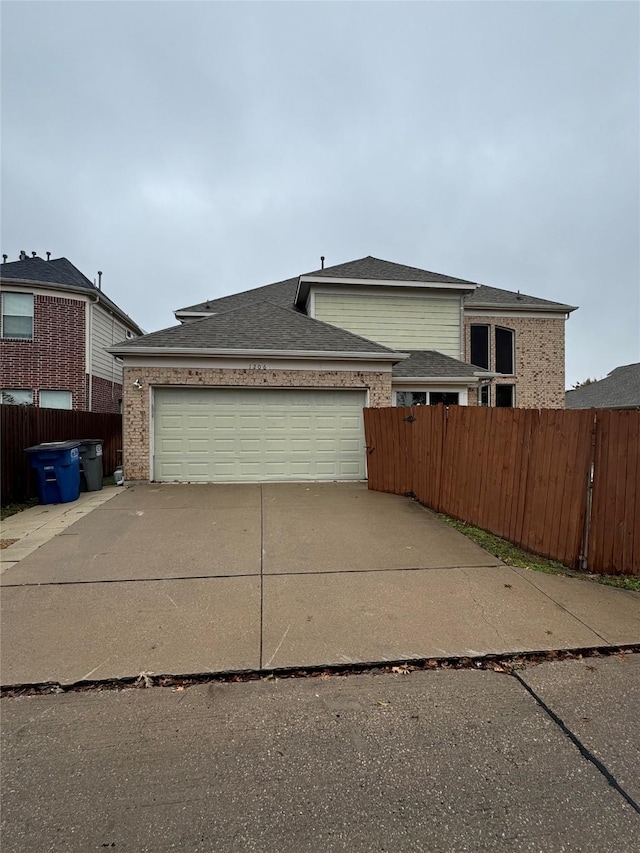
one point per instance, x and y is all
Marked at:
(507, 586)
(401, 670)
(382, 704)
(177, 689)
(548, 633)
(591, 668)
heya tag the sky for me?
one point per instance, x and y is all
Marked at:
(195, 149)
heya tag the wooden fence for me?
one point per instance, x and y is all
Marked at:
(24, 426)
(563, 484)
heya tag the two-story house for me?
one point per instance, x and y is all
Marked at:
(270, 383)
(56, 328)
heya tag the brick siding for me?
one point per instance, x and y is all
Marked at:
(136, 402)
(55, 358)
(539, 359)
(105, 395)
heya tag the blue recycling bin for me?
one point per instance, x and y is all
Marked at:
(57, 467)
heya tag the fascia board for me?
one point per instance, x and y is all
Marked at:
(93, 294)
(485, 307)
(435, 380)
(303, 354)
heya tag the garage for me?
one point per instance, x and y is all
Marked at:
(251, 435)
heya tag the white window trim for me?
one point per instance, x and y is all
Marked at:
(6, 293)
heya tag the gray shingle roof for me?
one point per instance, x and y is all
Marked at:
(374, 268)
(58, 272)
(493, 297)
(280, 293)
(261, 326)
(433, 363)
(283, 292)
(619, 390)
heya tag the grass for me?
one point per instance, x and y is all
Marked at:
(11, 509)
(515, 556)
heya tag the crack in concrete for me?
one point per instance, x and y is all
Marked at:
(482, 610)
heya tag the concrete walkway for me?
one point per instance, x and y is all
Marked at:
(197, 579)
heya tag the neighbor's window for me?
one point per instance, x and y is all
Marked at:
(449, 398)
(504, 350)
(16, 397)
(484, 398)
(505, 396)
(17, 316)
(411, 398)
(480, 346)
(55, 399)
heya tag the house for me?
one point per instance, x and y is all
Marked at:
(269, 384)
(619, 390)
(55, 330)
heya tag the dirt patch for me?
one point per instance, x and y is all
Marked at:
(4, 543)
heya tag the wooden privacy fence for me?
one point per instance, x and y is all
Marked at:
(563, 484)
(24, 426)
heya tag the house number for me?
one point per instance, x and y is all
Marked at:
(257, 367)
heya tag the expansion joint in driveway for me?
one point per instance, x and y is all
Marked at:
(584, 751)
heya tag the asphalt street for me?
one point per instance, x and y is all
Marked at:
(446, 760)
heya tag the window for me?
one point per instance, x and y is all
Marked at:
(480, 346)
(449, 398)
(484, 398)
(504, 350)
(17, 316)
(505, 396)
(411, 398)
(55, 399)
(17, 397)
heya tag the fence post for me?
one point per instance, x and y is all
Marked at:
(584, 556)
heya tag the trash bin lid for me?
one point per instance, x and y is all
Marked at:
(52, 445)
(90, 441)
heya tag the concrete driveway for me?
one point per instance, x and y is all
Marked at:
(172, 579)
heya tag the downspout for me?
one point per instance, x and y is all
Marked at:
(90, 348)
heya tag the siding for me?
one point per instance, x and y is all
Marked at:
(398, 322)
(106, 332)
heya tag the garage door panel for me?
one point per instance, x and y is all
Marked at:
(208, 435)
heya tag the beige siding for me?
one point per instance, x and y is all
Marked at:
(106, 331)
(398, 322)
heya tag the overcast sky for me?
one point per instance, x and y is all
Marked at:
(195, 149)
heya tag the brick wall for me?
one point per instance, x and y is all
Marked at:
(55, 358)
(539, 359)
(136, 402)
(105, 395)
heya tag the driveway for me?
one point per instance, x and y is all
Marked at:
(187, 579)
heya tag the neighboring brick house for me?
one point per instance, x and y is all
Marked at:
(55, 330)
(269, 384)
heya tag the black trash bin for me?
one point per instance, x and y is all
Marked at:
(91, 473)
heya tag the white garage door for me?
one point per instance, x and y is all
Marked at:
(233, 435)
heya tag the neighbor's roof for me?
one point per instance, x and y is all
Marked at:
(61, 273)
(284, 292)
(260, 327)
(434, 364)
(619, 390)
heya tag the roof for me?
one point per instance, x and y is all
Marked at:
(370, 268)
(61, 273)
(435, 364)
(619, 390)
(280, 293)
(494, 297)
(259, 327)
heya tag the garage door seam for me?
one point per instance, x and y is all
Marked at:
(261, 573)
